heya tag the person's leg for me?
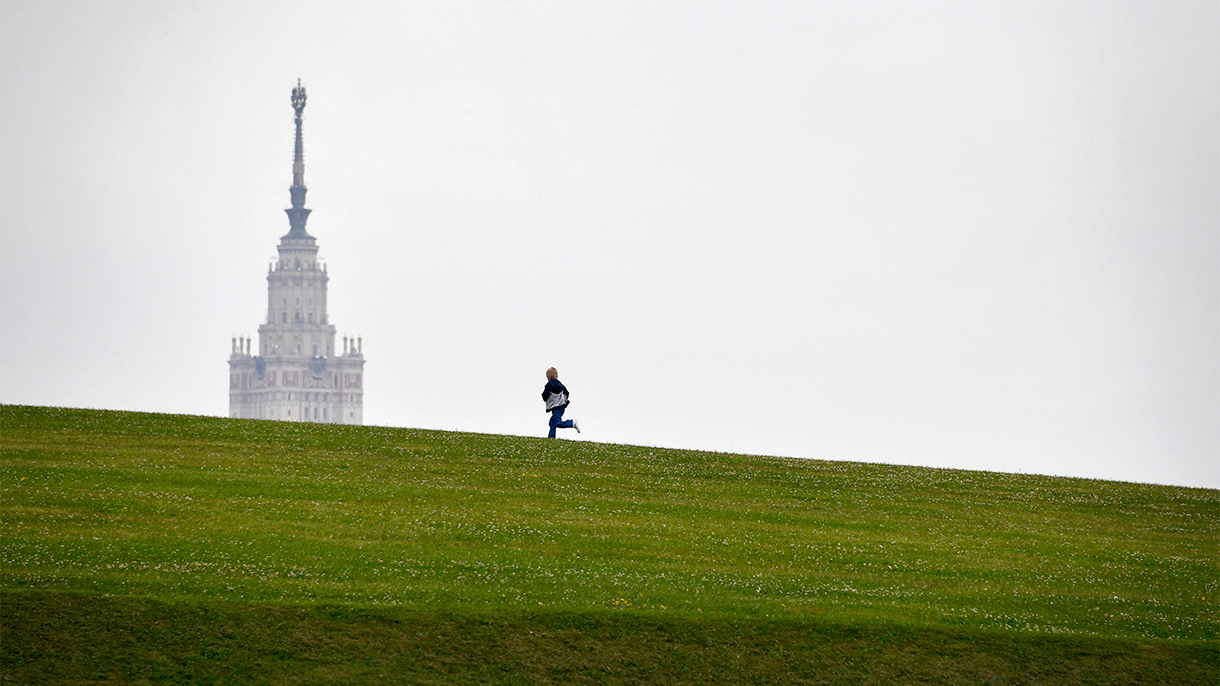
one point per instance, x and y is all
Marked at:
(557, 422)
(561, 423)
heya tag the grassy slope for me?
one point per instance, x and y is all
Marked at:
(172, 547)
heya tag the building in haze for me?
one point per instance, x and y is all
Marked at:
(297, 373)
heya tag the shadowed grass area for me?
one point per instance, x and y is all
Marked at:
(240, 522)
(130, 640)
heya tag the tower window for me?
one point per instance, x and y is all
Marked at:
(284, 317)
(315, 347)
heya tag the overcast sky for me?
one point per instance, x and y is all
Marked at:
(968, 235)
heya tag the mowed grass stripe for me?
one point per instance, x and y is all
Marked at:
(76, 638)
(178, 509)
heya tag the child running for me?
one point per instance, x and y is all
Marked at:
(555, 395)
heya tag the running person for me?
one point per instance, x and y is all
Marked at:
(555, 395)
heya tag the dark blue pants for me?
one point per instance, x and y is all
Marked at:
(557, 421)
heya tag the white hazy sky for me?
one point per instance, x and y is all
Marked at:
(958, 234)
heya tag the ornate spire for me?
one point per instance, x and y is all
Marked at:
(297, 215)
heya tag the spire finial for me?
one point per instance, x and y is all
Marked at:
(297, 215)
(298, 99)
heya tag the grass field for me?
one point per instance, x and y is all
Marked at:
(175, 549)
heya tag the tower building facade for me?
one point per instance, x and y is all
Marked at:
(297, 372)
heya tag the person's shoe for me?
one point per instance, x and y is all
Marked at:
(576, 425)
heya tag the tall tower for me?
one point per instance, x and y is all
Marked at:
(297, 373)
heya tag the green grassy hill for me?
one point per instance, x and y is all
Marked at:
(142, 548)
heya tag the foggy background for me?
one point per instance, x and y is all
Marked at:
(950, 234)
